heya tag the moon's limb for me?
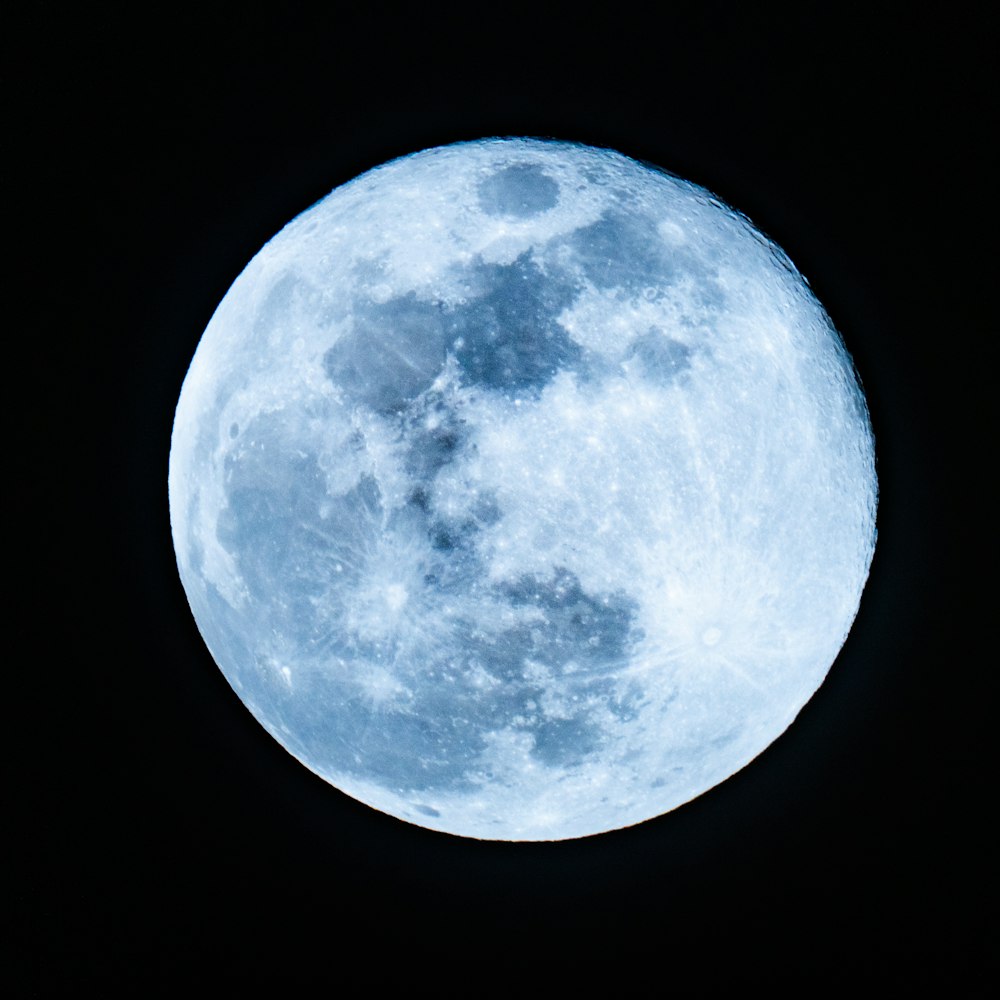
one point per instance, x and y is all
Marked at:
(522, 491)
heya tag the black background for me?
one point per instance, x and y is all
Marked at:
(162, 837)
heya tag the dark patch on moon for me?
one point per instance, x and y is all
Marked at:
(436, 740)
(521, 190)
(434, 435)
(393, 352)
(287, 542)
(580, 640)
(564, 741)
(411, 751)
(263, 525)
(580, 630)
(661, 358)
(508, 338)
(278, 305)
(622, 250)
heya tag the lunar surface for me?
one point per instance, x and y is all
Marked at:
(522, 491)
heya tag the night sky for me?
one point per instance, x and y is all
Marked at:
(162, 837)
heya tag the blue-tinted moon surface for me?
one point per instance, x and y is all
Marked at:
(522, 491)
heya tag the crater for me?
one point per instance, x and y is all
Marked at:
(711, 636)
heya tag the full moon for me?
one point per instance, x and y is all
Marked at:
(521, 490)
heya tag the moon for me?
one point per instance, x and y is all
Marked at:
(522, 490)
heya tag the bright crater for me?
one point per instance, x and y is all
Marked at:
(522, 491)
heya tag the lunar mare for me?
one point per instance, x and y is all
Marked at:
(522, 491)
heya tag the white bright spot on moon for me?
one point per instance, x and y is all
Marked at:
(522, 491)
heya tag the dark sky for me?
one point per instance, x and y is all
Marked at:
(162, 837)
